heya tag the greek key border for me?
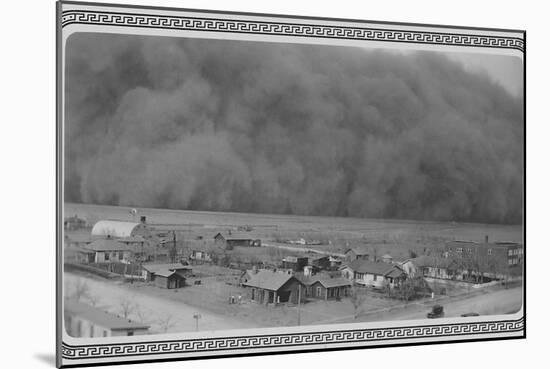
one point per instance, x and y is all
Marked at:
(258, 27)
(349, 337)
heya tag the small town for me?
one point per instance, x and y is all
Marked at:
(132, 276)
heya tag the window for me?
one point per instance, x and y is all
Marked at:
(120, 255)
(104, 333)
(459, 249)
(130, 333)
(515, 251)
(106, 256)
(510, 252)
(252, 293)
(374, 278)
(489, 251)
(510, 261)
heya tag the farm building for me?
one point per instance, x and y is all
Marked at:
(295, 263)
(387, 258)
(200, 256)
(108, 251)
(273, 287)
(83, 320)
(320, 262)
(234, 239)
(169, 279)
(150, 271)
(119, 229)
(326, 287)
(73, 223)
(373, 274)
(407, 265)
(356, 254)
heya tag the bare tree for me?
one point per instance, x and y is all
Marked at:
(126, 306)
(166, 322)
(81, 290)
(94, 299)
(357, 299)
(143, 314)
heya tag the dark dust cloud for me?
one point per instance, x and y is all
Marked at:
(280, 128)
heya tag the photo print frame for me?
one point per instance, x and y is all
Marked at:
(238, 184)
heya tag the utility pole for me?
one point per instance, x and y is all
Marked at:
(299, 299)
(174, 251)
(196, 316)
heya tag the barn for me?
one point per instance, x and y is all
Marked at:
(234, 239)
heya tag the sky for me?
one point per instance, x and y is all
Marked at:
(224, 125)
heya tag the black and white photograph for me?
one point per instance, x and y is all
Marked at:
(215, 184)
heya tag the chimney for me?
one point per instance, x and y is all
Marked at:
(486, 238)
(143, 219)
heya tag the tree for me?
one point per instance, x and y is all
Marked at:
(81, 290)
(126, 306)
(357, 299)
(94, 299)
(166, 322)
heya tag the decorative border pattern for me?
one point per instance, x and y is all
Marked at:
(73, 354)
(287, 340)
(187, 23)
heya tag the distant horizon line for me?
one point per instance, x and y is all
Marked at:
(402, 220)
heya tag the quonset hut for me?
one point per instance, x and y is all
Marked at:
(119, 229)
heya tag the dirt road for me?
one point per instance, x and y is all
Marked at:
(504, 301)
(162, 314)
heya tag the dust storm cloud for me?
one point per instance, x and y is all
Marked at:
(297, 129)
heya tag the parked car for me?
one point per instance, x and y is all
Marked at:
(470, 314)
(437, 312)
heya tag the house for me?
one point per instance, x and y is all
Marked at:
(234, 239)
(168, 279)
(437, 267)
(274, 287)
(373, 274)
(407, 266)
(325, 287)
(137, 244)
(387, 258)
(73, 223)
(200, 256)
(335, 262)
(83, 320)
(150, 271)
(107, 250)
(119, 229)
(320, 262)
(295, 263)
(356, 254)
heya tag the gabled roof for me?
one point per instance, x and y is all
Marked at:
(137, 238)
(100, 317)
(155, 268)
(371, 267)
(269, 280)
(357, 251)
(106, 244)
(328, 282)
(387, 256)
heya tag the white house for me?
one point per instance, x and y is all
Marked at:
(373, 274)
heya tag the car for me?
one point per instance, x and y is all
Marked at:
(437, 312)
(469, 314)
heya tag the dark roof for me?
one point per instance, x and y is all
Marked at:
(155, 268)
(371, 267)
(137, 238)
(269, 280)
(78, 237)
(358, 251)
(106, 244)
(100, 317)
(329, 282)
